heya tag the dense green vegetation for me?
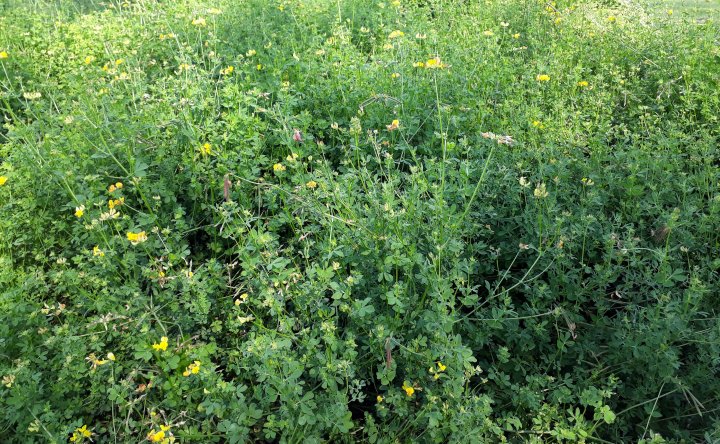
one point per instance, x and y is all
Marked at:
(353, 221)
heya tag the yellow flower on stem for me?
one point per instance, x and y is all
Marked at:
(136, 238)
(396, 34)
(205, 149)
(3, 180)
(279, 167)
(199, 22)
(540, 191)
(192, 369)
(583, 84)
(542, 78)
(97, 251)
(4, 55)
(393, 126)
(162, 345)
(159, 436)
(80, 434)
(79, 211)
(409, 390)
(312, 184)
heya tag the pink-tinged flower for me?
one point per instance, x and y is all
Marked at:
(297, 135)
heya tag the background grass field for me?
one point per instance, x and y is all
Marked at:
(352, 221)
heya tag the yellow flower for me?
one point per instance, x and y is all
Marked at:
(278, 167)
(540, 191)
(542, 78)
(251, 53)
(227, 71)
(162, 345)
(583, 83)
(394, 125)
(670, 12)
(380, 398)
(538, 124)
(112, 203)
(312, 184)
(395, 75)
(118, 185)
(611, 18)
(488, 33)
(408, 389)
(419, 65)
(111, 356)
(156, 436)
(80, 434)
(441, 367)
(79, 211)
(89, 59)
(199, 22)
(3, 180)
(192, 369)
(516, 35)
(161, 435)
(3, 55)
(136, 238)
(396, 34)
(94, 361)
(205, 149)
(97, 251)
(259, 67)
(119, 62)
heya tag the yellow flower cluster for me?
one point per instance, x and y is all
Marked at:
(80, 434)
(199, 22)
(279, 167)
(112, 203)
(205, 149)
(136, 238)
(542, 78)
(97, 251)
(396, 34)
(192, 369)
(227, 71)
(163, 345)
(540, 191)
(94, 361)
(312, 184)
(583, 84)
(116, 186)
(436, 372)
(393, 126)
(409, 390)
(161, 435)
